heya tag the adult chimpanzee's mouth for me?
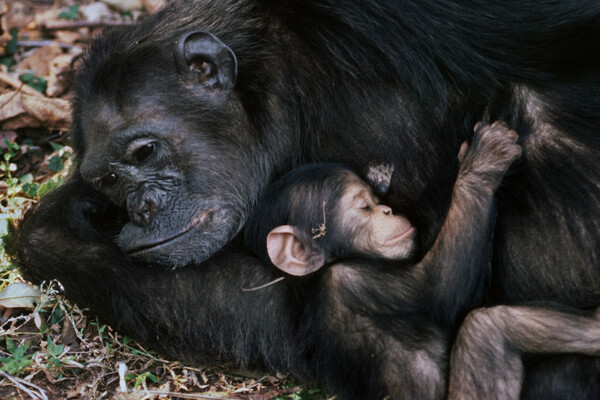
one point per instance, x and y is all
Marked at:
(199, 218)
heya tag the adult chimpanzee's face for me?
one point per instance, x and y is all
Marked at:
(166, 138)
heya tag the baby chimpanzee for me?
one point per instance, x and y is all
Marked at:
(400, 335)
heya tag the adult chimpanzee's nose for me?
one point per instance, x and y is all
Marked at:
(142, 210)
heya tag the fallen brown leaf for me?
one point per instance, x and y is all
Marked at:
(18, 16)
(53, 112)
(60, 75)
(10, 105)
(38, 62)
(21, 121)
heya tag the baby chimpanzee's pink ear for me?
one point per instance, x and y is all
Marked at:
(288, 252)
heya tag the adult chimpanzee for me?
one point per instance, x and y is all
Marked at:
(183, 119)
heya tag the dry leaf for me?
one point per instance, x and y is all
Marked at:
(10, 105)
(96, 12)
(153, 6)
(47, 15)
(20, 295)
(60, 75)
(18, 16)
(38, 62)
(68, 335)
(69, 37)
(21, 121)
(53, 112)
(125, 5)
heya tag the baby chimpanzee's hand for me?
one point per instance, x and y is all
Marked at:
(491, 152)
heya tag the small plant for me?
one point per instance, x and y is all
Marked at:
(6, 166)
(18, 360)
(30, 188)
(140, 379)
(53, 353)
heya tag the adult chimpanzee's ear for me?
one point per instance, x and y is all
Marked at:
(288, 252)
(203, 59)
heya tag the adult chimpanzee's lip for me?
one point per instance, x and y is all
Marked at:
(198, 218)
(404, 235)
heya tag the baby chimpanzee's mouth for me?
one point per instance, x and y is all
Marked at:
(403, 236)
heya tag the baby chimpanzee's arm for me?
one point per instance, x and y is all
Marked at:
(456, 264)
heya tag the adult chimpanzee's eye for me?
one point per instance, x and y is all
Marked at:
(143, 152)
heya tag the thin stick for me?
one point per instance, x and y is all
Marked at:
(321, 230)
(74, 25)
(20, 383)
(9, 80)
(42, 43)
(265, 285)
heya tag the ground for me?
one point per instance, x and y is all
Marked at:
(49, 348)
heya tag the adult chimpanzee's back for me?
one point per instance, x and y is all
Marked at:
(181, 121)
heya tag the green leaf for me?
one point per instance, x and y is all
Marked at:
(56, 164)
(7, 61)
(10, 345)
(56, 146)
(31, 189)
(57, 316)
(36, 82)
(48, 186)
(71, 13)
(127, 15)
(11, 46)
(27, 178)
(153, 378)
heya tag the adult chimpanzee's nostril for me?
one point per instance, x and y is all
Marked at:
(386, 210)
(143, 212)
(109, 179)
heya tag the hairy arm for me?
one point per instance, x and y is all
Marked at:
(456, 267)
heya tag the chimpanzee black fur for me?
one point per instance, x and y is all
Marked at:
(183, 120)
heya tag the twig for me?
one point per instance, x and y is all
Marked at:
(265, 285)
(42, 43)
(321, 230)
(14, 95)
(20, 383)
(183, 395)
(9, 80)
(74, 25)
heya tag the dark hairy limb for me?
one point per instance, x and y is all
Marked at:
(487, 353)
(458, 263)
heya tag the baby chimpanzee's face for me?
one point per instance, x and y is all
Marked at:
(374, 229)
